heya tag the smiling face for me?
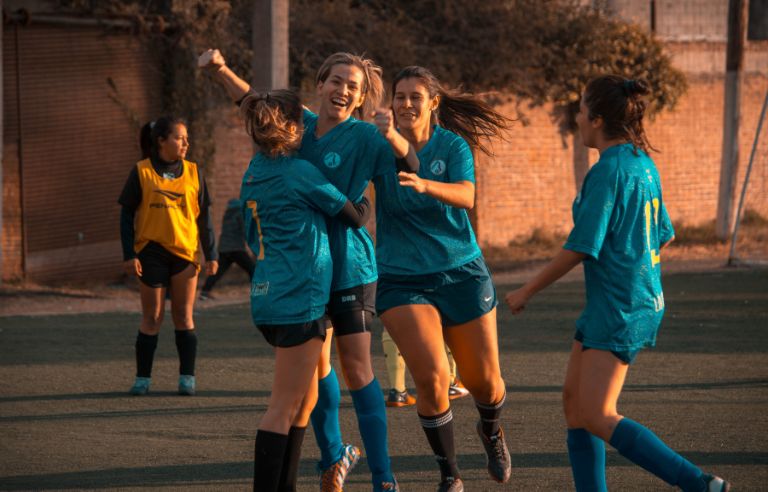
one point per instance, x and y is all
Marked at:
(341, 92)
(175, 146)
(412, 104)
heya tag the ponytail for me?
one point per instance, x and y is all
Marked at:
(273, 120)
(154, 130)
(619, 102)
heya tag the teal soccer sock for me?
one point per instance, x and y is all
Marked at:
(587, 455)
(644, 448)
(325, 420)
(372, 422)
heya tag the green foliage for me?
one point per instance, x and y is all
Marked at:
(541, 51)
(538, 50)
(176, 32)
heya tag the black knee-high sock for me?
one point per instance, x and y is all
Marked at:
(291, 460)
(145, 354)
(439, 431)
(489, 415)
(186, 346)
(268, 460)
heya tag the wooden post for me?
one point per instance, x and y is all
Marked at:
(737, 28)
(270, 44)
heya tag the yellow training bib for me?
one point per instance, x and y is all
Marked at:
(168, 211)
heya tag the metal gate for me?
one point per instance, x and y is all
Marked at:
(74, 99)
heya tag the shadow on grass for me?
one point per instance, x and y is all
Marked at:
(637, 388)
(152, 412)
(119, 395)
(221, 473)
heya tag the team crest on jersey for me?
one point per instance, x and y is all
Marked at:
(437, 167)
(332, 160)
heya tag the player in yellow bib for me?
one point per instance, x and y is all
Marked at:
(165, 214)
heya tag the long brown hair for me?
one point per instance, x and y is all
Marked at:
(273, 120)
(463, 113)
(619, 102)
(373, 87)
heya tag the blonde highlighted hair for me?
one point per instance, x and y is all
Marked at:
(373, 86)
(273, 120)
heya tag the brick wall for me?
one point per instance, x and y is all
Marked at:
(529, 182)
(233, 153)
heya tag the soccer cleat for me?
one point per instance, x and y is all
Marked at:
(140, 386)
(332, 478)
(388, 486)
(206, 296)
(399, 399)
(450, 484)
(716, 484)
(186, 385)
(499, 461)
(457, 390)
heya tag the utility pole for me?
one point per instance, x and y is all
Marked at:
(734, 59)
(2, 133)
(270, 44)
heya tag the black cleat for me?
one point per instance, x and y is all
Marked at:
(499, 461)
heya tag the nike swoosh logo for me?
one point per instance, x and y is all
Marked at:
(488, 298)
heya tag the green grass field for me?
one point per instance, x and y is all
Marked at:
(66, 421)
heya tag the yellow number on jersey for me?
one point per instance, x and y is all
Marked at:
(255, 212)
(655, 258)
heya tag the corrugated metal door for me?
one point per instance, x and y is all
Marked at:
(82, 97)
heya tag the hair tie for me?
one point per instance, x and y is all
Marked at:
(629, 87)
(151, 125)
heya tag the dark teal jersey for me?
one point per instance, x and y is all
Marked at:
(349, 156)
(415, 233)
(620, 222)
(283, 202)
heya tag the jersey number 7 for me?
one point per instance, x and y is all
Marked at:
(255, 213)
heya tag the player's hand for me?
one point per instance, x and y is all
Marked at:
(516, 300)
(211, 267)
(211, 59)
(132, 267)
(384, 121)
(413, 181)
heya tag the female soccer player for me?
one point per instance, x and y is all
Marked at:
(620, 226)
(165, 213)
(434, 286)
(349, 152)
(283, 197)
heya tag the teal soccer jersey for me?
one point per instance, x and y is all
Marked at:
(349, 156)
(415, 233)
(620, 222)
(282, 202)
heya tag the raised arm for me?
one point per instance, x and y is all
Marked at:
(213, 60)
(405, 154)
